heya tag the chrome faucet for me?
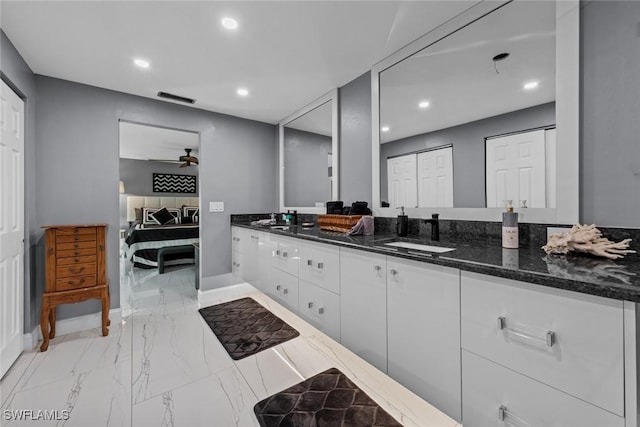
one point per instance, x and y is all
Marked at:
(435, 226)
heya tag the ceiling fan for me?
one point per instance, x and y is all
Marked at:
(186, 160)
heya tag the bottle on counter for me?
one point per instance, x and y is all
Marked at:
(510, 228)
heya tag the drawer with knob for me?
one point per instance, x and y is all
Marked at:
(76, 238)
(493, 395)
(65, 284)
(284, 288)
(76, 245)
(73, 253)
(76, 231)
(320, 265)
(321, 308)
(80, 259)
(71, 270)
(573, 342)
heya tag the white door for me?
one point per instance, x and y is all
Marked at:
(515, 170)
(402, 180)
(11, 226)
(435, 178)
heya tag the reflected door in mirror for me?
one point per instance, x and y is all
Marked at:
(435, 178)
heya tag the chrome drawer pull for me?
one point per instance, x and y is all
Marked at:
(377, 268)
(393, 272)
(320, 310)
(284, 254)
(309, 262)
(509, 418)
(285, 291)
(549, 336)
(320, 265)
(278, 252)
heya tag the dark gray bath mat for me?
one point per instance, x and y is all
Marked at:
(327, 399)
(244, 327)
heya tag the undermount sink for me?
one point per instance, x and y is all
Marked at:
(279, 227)
(420, 247)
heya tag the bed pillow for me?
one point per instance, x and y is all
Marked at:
(163, 216)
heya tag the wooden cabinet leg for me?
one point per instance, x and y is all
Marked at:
(105, 313)
(52, 322)
(44, 324)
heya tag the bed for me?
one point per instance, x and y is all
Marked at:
(146, 236)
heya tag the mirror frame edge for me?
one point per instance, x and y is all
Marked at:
(332, 95)
(567, 72)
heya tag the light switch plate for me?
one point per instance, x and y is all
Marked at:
(216, 206)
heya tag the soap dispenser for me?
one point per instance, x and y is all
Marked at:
(510, 227)
(402, 226)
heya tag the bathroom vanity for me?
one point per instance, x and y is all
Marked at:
(482, 335)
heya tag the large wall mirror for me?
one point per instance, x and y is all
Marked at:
(309, 156)
(482, 110)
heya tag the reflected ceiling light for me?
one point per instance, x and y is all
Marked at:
(242, 92)
(530, 85)
(229, 23)
(424, 104)
(384, 128)
(141, 63)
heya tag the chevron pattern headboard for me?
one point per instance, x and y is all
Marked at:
(157, 202)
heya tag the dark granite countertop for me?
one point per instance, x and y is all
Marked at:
(617, 279)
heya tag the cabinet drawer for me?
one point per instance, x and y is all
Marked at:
(75, 282)
(320, 265)
(75, 245)
(75, 270)
(76, 252)
(76, 231)
(284, 255)
(320, 308)
(75, 260)
(570, 341)
(284, 288)
(75, 238)
(496, 396)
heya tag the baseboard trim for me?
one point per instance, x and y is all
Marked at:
(212, 294)
(71, 325)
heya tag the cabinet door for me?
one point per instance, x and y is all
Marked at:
(284, 288)
(320, 307)
(423, 303)
(263, 268)
(497, 396)
(320, 265)
(363, 305)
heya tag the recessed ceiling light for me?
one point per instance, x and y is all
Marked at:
(384, 128)
(242, 92)
(424, 104)
(229, 23)
(141, 63)
(530, 85)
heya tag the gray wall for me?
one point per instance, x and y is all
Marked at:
(17, 74)
(355, 141)
(137, 176)
(78, 123)
(468, 149)
(610, 114)
(306, 172)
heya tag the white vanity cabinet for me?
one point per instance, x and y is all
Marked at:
(320, 307)
(363, 308)
(238, 238)
(423, 321)
(559, 342)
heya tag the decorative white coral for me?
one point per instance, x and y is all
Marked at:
(588, 239)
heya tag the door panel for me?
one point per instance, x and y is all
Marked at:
(435, 178)
(11, 226)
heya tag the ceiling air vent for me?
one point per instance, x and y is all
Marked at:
(176, 97)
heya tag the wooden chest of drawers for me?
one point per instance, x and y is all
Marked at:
(75, 271)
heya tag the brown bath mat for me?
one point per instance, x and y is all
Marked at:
(327, 399)
(244, 327)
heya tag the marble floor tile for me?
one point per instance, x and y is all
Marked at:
(221, 399)
(15, 373)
